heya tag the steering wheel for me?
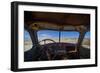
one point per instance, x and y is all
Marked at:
(42, 52)
(47, 49)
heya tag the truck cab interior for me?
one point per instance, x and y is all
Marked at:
(50, 49)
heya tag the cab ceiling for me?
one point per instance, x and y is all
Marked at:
(56, 21)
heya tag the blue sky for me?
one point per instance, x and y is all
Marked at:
(55, 34)
(26, 35)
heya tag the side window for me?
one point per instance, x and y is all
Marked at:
(27, 41)
(86, 40)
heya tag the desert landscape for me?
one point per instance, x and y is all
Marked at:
(85, 44)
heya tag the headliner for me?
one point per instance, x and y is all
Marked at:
(56, 21)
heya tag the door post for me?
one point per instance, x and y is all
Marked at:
(82, 31)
